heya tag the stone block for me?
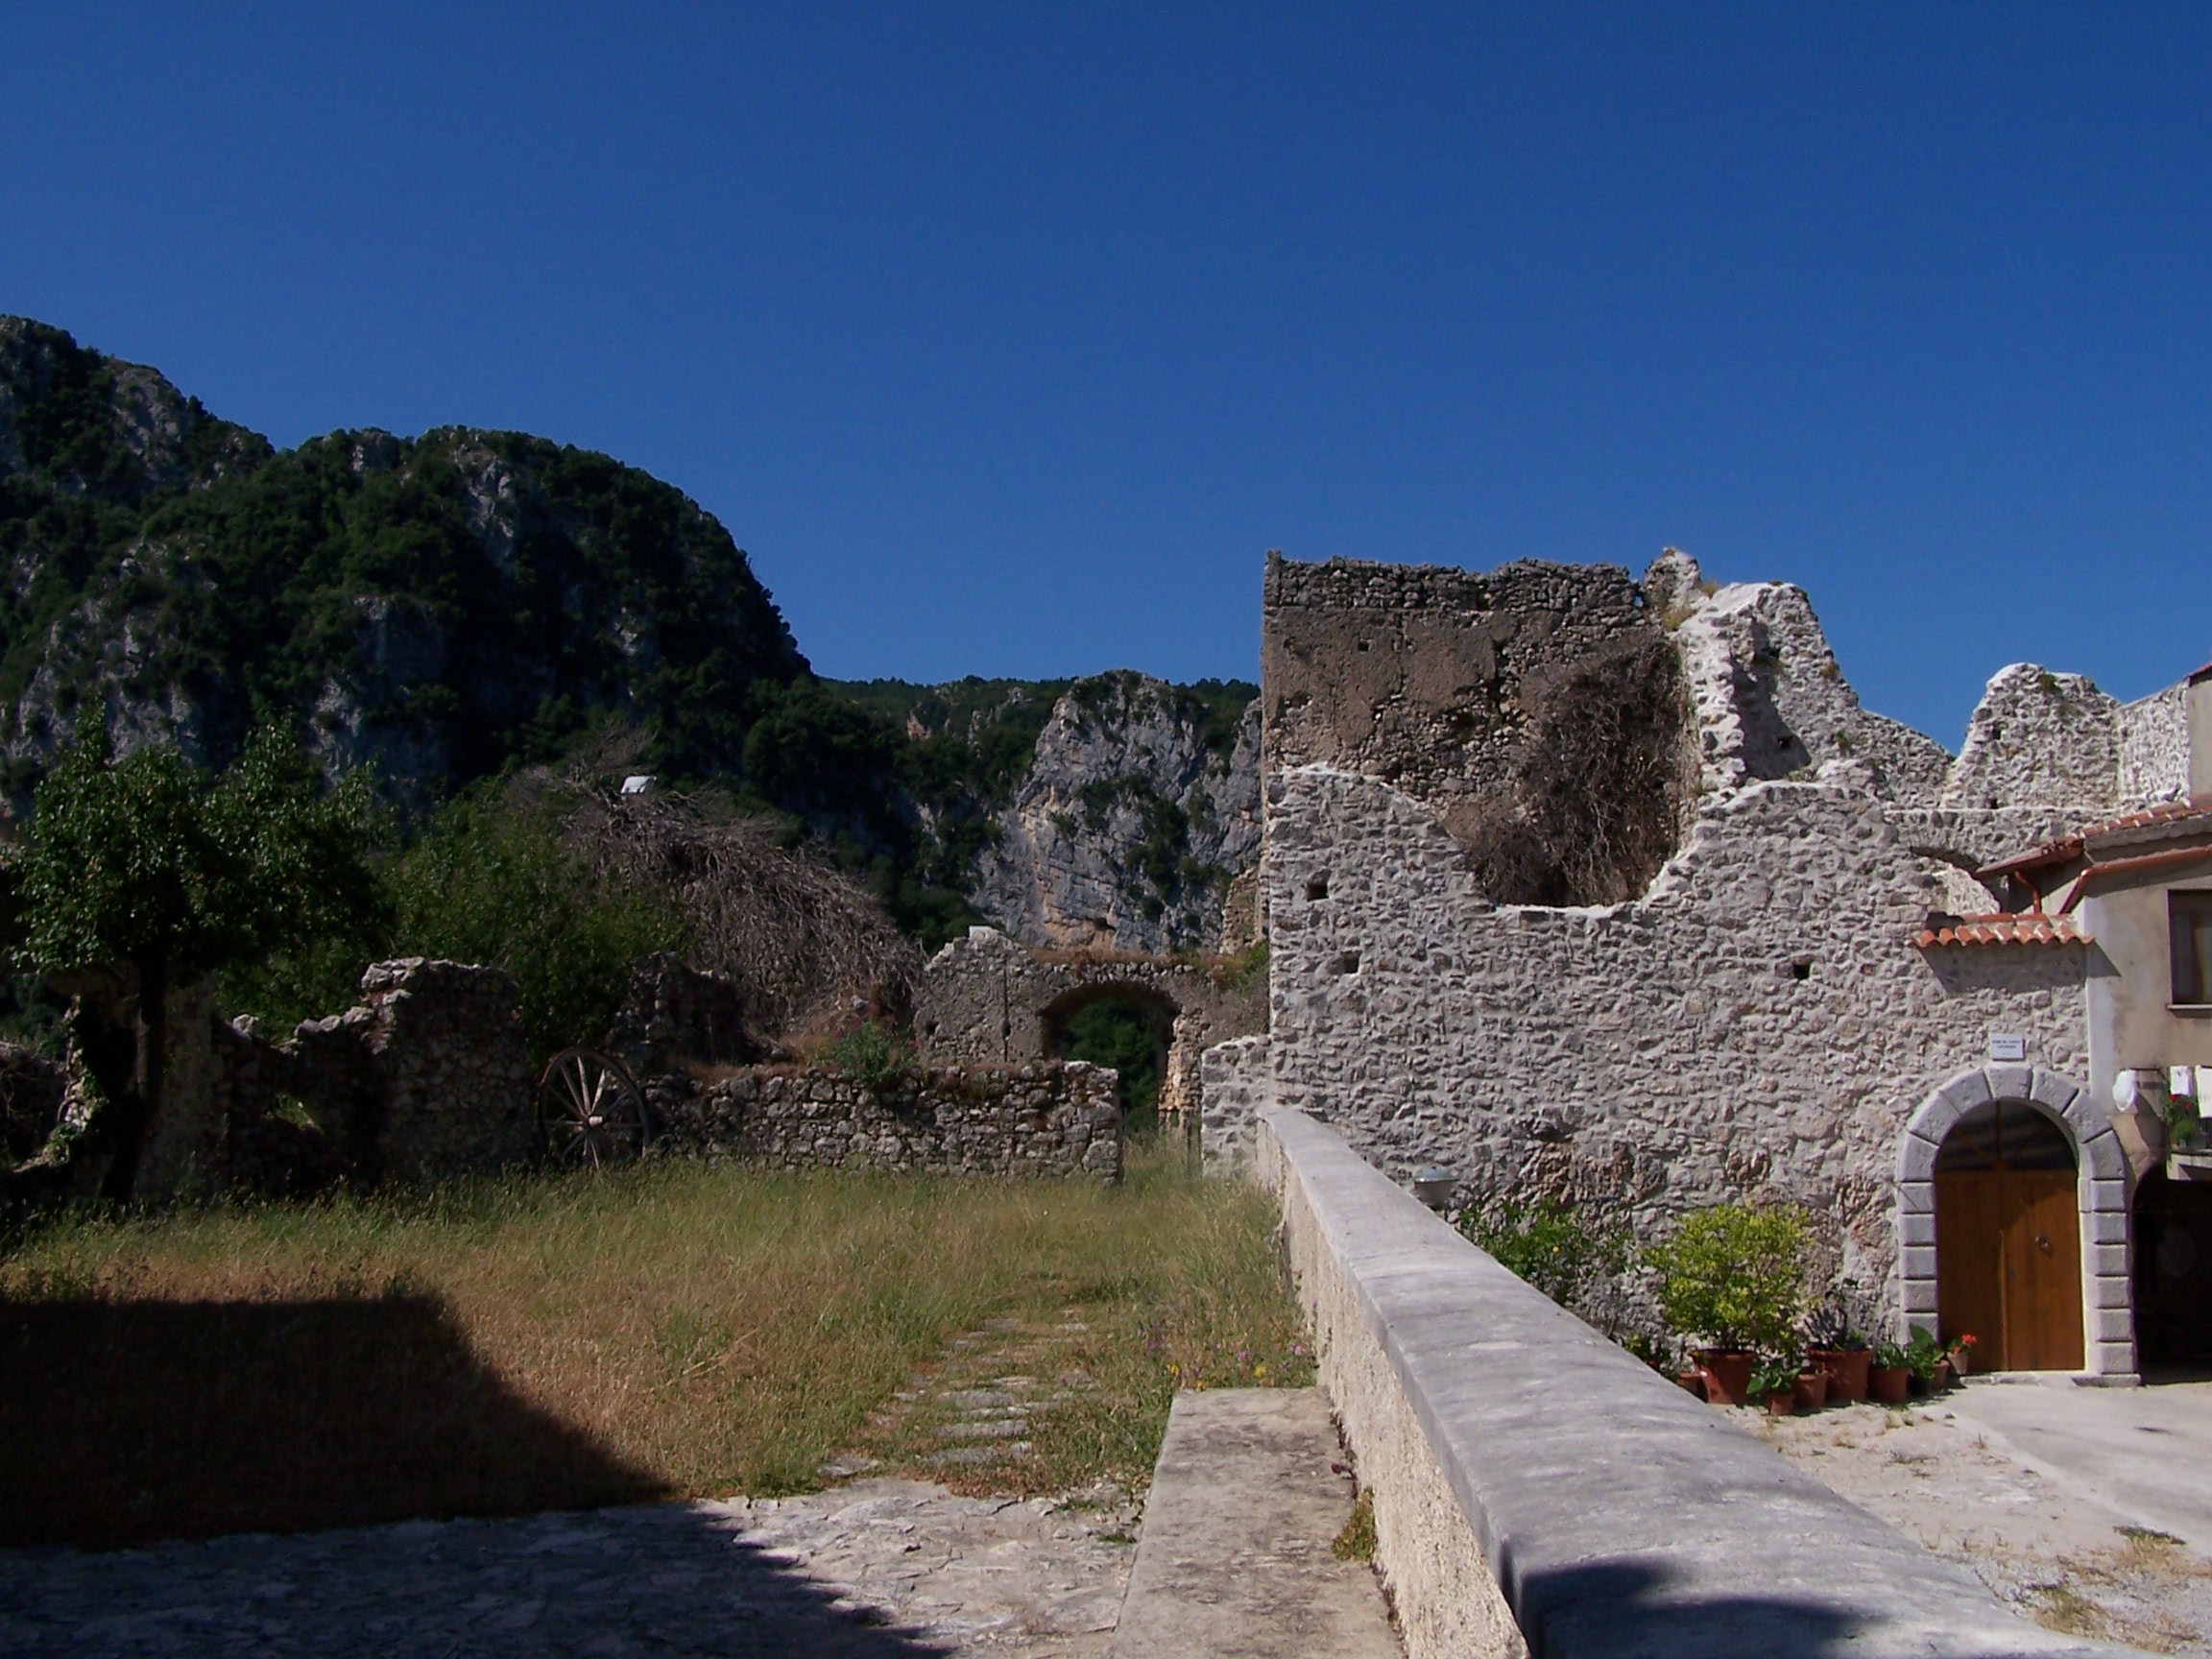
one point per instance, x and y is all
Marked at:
(1968, 1090)
(2113, 1323)
(2009, 1082)
(2050, 1088)
(1916, 1230)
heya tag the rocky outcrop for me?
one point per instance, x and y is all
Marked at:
(430, 607)
(1131, 823)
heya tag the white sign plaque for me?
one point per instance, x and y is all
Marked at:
(2008, 1048)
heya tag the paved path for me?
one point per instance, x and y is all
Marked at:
(2043, 1544)
(876, 1569)
(1236, 1563)
(2146, 1451)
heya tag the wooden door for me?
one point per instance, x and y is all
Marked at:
(1970, 1264)
(2043, 1270)
(2008, 1266)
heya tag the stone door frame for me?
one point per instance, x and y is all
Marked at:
(2101, 1173)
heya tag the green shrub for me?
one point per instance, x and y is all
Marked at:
(869, 1053)
(1734, 1276)
(1776, 1376)
(501, 887)
(1550, 1244)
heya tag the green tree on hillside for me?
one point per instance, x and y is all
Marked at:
(145, 874)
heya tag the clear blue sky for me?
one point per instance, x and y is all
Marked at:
(1006, 339)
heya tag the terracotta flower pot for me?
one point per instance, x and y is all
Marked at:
(1962, 1359)
(1890, 1383)
(1847, 1369)
(1782, 1401)
(1812, 1389)
(1727, 1375)
(1692, 1382)
(1943, 1378)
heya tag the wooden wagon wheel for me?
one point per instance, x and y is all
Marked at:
(590, 1111)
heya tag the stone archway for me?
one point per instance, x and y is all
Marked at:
(1140, 1044)
(2108, 1347)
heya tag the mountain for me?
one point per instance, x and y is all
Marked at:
(440, 608)
(432, 606)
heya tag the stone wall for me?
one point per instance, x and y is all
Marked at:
(1054, 1118)
(987, 999)
(1414, 673)
(676, 1014)
(426, 1078)
(1759, 1026)
(1240, 1083)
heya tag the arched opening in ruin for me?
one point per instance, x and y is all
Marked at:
(1129, 1027)
(2008, 1239)
(2174, 1273)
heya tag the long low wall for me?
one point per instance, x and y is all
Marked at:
(1539, 1491)
(1056, 1118)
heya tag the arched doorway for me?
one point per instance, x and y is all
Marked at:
(2008, 1239)
(1128, 1028)
(2173, 1272)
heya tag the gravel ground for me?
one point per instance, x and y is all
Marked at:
(2061, 1556)
(874, 1569)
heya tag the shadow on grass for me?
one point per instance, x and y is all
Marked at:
(125, 1421)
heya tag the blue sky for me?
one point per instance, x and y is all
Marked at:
(1008, 339)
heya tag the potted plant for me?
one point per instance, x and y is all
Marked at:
(1811, 1387)
(1928, 1361)
(1732, 1278)
(1890, 1379)
(1960, 1353)
(1775, 1381)
(1843, 1353)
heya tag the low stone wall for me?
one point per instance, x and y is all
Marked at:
(1056, 1117)
(426, 1078)
(1537, 1490)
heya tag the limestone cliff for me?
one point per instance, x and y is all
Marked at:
(1138, 808)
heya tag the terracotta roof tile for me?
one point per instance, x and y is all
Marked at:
(2018, 927)
(2194, 815)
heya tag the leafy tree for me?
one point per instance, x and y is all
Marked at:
(145, 874)
(500, 886)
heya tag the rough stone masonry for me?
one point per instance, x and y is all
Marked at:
(1758, 1024)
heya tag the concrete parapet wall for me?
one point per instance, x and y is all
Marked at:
(1055, 1118)
(1537, 1490)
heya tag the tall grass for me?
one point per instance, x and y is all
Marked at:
(709, 1329)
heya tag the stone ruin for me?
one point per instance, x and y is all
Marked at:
(989, 999)
(428, 1078)
(1764, 1016)
(425, 1077)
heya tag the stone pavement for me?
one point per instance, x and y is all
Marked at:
(2048, 1548)
(1247, 1498)
(875, 1570)
(2145, 1450)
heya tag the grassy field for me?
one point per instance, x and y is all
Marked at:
(673, 1329)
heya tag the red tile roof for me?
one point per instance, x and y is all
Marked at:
(2194, 815)
(2020, 927)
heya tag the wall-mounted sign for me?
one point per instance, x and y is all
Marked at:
(2007, 1047)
